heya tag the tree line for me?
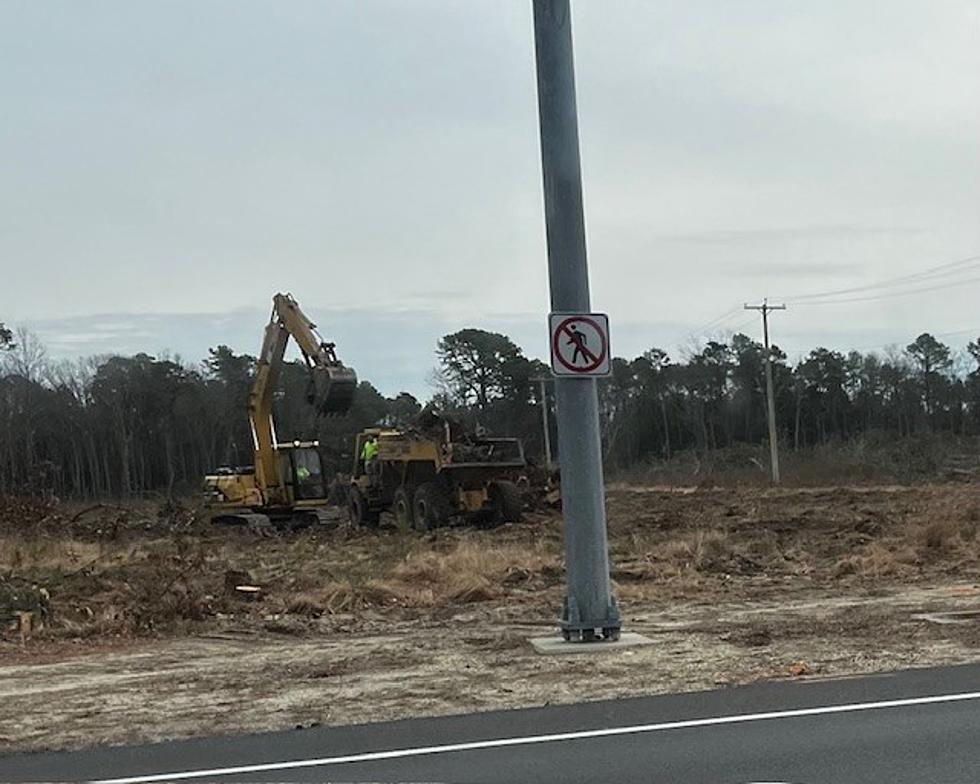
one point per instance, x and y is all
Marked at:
(116, 426)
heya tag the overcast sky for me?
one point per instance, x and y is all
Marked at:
(166, 167)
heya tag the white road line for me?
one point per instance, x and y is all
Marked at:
(374, 756)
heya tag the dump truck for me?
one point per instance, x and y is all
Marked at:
(285, 486)
(427, 477)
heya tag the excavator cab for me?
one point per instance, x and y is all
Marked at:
(301, 469)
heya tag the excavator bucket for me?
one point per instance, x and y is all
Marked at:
(332, 389)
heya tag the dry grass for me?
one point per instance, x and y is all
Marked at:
(948, 534)
(939, 534)
(702, 551)
(880, 560)
(706, 542)
(874, 458)
(334, 597)
(462, 572)
(24, 552)
(687, 559)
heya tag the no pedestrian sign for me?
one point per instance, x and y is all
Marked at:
(579, 344)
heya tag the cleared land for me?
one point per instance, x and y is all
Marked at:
(147, 637)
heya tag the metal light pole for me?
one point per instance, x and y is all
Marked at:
(589, 610)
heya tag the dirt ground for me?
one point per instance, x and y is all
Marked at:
(141, 632)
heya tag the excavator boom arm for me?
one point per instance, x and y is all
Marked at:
(332, 384)
(296, 323)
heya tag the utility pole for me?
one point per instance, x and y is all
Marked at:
(545, 428)
(589, 610)
(765, 308)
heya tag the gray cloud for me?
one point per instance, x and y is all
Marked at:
(790, 233)
(381, 159)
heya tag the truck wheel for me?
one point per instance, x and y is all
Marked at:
(507, 502)
(430, 506)
(357, 506)
(402, 507)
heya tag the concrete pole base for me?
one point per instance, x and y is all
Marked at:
(555, 645)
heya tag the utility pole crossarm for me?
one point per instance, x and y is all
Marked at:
(764, 307)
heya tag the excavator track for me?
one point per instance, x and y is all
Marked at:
(254, 521)
(329, 517)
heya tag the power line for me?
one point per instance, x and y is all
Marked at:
(718, 328)
(716, 322)
(938, 271)
(890, 295)
(885, 343)
(744, 324)
(972, 330)
(833, 297)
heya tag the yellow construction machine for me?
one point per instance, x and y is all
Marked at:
(286, 483)
(427, 475)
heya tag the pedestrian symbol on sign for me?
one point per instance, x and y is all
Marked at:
(579, 340)
(580, 344)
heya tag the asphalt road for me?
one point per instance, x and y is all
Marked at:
(915, 726)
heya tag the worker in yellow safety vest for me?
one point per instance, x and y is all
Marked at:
(369, 454)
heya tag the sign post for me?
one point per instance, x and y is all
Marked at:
(589, 611)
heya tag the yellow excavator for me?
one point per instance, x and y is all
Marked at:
(285, 486)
